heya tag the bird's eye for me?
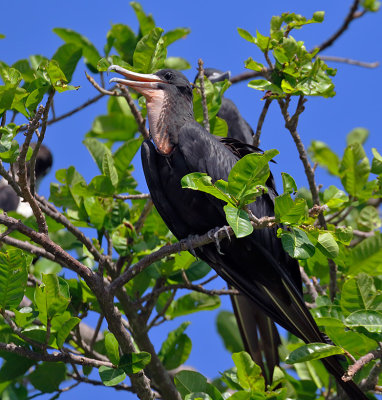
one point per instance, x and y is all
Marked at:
(168, 76)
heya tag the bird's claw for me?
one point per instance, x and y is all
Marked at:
(213, 234)
(189, 245)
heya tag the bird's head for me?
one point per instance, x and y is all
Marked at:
(215, 75)
(168, 96)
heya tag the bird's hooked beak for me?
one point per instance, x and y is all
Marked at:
(152, 87)
(145, 84)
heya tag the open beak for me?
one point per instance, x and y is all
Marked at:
(145, 84)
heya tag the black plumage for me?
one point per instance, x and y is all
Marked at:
(256, 265)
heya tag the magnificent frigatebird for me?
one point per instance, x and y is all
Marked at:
(256, 265)
(9, 201)
(258, 331)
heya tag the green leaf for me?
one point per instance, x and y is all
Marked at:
(123, 39)
(190, 382)
(264, 85)
(289, 185)
(367, 256)
(198, 396)
(65, 330)
(203, 182)
(178, 63)
(97, 150)
(52, 297)
(238, 220)
(369, 319)
(174, 35)
(14, 366)
(35, 98)
(327, 245)
(134, 362)
(228, 330)
(193, 302)
(368, 219)
(114, 127)
(246, 35)
(13, 278)
(253, 65)
(58, 78)
(111, 376)
(109, 169)
(112, 348)
(318, 16)
(146, 22)
(249, 172)
(289, 211)
(324, 156)
(297, 244)
(371, 5)
(357, 135)
(354, 169)
(176, 348)
(376, 165)
(334, 197)
(67, 57)
(124, 155)
(89, 52)
(357, 294)
(48, 376)
(150, 52)
(312, 351)
(249, 374)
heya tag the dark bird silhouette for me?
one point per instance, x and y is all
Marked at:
(258, 332)
(256, 265)
(9, 201)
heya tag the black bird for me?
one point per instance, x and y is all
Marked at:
(256, 265)
(9, 201)
(259, 333)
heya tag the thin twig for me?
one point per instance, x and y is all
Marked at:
(84, 379)
(344, 60)
(32, 161)
(361, 362)
(256, 138)
(349, 18)
(162, 312)
(249, 75)
(308, 284)
(206, 122)
(99, 88)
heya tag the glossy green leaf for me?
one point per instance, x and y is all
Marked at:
(52, 297)
(376, 165)
(108, 168)
(65, 330)
(324, 156)
(58, 78)
(289, 211)
(35, 98)
(312, 351)
(238, 220)
(97, 150)
(48, 376)
(174, 35)
(124, 155)
(203, 182)
(134, 362)
(13, 278)
(327, 245)
(150, 52)
(112, 348)
(289, 185)
(176, 348)
(369, 319)
(248, 172)
(334, 197)
(146, 22)
(253, 65)
(228, 330)
(67, 57)
(191, 303)
(357, 294)
(89, 52)
(297, 244)
(357, 135)
(111, 376)
(264, 85)
(249, 374)
(190, 382)
(246, 35)
(123, 39)
(354, 169)
(367, 256)
(114, 127)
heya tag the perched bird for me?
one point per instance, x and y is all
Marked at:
(9, 201)
(258, 332)
(256, 265)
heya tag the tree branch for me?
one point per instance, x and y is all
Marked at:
(249, 75)
(349, 61)
(361, 362)
(206, 122)
(132, 196)
(256, 138)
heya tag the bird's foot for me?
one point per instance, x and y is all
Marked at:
(226, 230)
(213, 234)
(189, 240)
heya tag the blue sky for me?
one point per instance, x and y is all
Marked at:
(213, 38)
